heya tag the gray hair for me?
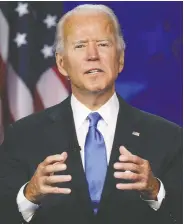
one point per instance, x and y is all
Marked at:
(59, 39)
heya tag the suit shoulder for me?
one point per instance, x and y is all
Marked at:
(40, 118)
(155, 122)
(145, 119)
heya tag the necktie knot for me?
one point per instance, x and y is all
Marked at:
(93, 119)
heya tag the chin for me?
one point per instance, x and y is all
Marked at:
(97, 90)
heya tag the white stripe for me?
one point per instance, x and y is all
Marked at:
(4, 37)
(50, 89)
(19, 97)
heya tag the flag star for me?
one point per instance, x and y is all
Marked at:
(20, 39)
(50, 21)
(47, 51)
(22, 9)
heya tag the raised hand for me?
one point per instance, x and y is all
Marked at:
(138, 171)
(43, 180)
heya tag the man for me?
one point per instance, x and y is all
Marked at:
(92, 158)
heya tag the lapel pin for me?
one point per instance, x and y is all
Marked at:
(135, 133)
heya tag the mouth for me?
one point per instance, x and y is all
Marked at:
(93, 71)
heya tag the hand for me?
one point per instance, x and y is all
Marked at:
(42, 181)
(137, 170)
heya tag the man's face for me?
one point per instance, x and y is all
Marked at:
(90, 57)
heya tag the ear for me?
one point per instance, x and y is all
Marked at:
(121, 61)
(60, 64)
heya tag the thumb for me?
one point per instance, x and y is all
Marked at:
(124, 151)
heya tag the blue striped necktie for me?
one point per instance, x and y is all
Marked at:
(95, 160)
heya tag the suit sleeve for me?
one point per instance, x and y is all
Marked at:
(171, 176)
(12, 177)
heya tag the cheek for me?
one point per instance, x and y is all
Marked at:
(110, 60)
(112, 66)
(70, 65)
(74, 70)
(116, 63)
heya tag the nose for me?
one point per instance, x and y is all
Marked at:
(92, 52)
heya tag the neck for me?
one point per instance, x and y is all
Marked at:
(93, 101)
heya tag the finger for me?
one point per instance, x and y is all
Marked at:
(54, 168)
(124, 151)
(127, 166)
(131, 159)
(65, 155)
(55, 190)
(130, 186)
(55, 158)
(127, 176)
(57, 179)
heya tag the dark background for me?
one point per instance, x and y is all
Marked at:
(152, 76)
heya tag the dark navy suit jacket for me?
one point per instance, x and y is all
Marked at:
(30, 140)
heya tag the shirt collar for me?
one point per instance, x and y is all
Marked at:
(80, 112)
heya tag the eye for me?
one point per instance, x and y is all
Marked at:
(103, 44)
(78, 46)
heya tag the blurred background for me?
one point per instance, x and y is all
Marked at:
(151, 79)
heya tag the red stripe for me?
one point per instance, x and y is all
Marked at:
(7, 115)
(1, 134)
(38, 105)
(11, 119)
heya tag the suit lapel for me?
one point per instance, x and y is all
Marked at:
(126, 125)
(62, 137)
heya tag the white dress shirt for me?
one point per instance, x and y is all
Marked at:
(107, 125)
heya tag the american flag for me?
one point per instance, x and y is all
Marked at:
(29, 79)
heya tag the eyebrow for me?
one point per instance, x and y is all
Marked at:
(85, 41)
(109, 40)
(80, 42)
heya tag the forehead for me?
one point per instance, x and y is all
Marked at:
(88, 26)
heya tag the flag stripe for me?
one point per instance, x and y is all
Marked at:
(38, 104)
(4, 37)
(1, 123)
(4, 33)
(33, 83)
(19, 97)
(50, 89)
(2, 76)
